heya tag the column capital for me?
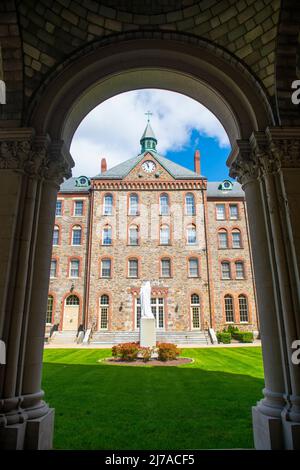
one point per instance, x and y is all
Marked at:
(36, 156)
(284, 145)
(242, 162)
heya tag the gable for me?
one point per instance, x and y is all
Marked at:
(139, 172)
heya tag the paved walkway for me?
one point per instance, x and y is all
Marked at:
(192, 346)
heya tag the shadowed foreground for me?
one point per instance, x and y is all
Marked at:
(203, 405)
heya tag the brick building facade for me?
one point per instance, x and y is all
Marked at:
(150, 219)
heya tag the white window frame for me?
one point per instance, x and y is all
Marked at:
(77, 261)
(102, 268)
(76, 228)
(135, 260)
(108, 208)
(189, 267)
(223, 212)
(75, 201)
(195, 308)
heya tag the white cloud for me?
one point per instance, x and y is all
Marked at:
(114, 128)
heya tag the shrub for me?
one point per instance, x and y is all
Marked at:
(244, 336)
(224, 337)
(126, 351)
(231, 329)
(145, 353)
(167, 351)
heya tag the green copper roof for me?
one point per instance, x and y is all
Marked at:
(123, 169)
(148, 140)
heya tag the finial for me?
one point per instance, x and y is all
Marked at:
(148, 114)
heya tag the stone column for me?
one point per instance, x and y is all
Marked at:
(281, 173)
(266, 414)
(33, 168)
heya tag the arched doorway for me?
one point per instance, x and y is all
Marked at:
(71, 313)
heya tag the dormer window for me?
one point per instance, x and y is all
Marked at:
(226, 186)
(82, 182)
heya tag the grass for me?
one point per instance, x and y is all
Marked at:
(203, 405)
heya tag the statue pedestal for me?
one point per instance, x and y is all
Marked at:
(147, 332)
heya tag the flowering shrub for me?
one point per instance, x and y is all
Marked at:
(126, 351)
(145, 353)
(167, 351)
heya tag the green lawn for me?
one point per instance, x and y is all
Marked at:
(203, 405)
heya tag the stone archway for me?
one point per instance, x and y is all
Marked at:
(262, 157)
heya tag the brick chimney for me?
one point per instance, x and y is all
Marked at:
(103, 165)
(197, 162)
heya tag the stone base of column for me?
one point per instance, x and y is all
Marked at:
(267, 431)
(12, 437)
(291, 433)
(34, 434)
(39, 432)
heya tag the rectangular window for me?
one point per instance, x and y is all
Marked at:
(233, 211)
(220, 208)
(193, 267)
(76, 236)
(107, 236)
(133, 268)
(78, 207)
(229, 314)
(55, 240)
(223, 240)
(158, 310)
(58, 210)
(53, 268)
(225, 270)
(133, 236)
(106, 268)
(166, 268)
(239, 270)
(49, 309)
(236, 240)
(243, 307)
(133, 204)
(74, 268)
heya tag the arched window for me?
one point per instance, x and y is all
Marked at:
(133, 268)
(243, 308)
(195, 311)
(49, 313)
(190, 204)
(133, 204)
(225, 270)
(165, 267)
(104, 306)
(106, 267)
(164, 235)
(191, 235)
(107, 235)
(76, 235)
(239, 270)
(229, 309)
(55, 235)
(133, 235)
(74, 268)
(236, 239)
(193, 267)
(164, 204)
(223, 238)
(72, 300)
(108, 204)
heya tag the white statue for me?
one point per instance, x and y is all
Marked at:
(145, 295)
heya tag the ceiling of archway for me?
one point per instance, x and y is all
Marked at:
(52, 30)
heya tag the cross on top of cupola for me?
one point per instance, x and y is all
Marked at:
(148, 140)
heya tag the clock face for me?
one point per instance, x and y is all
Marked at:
(148, 166)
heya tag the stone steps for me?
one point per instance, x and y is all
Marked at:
(186, 337)
(63, 337)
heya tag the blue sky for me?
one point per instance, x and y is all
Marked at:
(181, 125)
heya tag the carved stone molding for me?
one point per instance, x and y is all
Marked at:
(35, 156)
(265, 153)
(243, 164)
(284, 144)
